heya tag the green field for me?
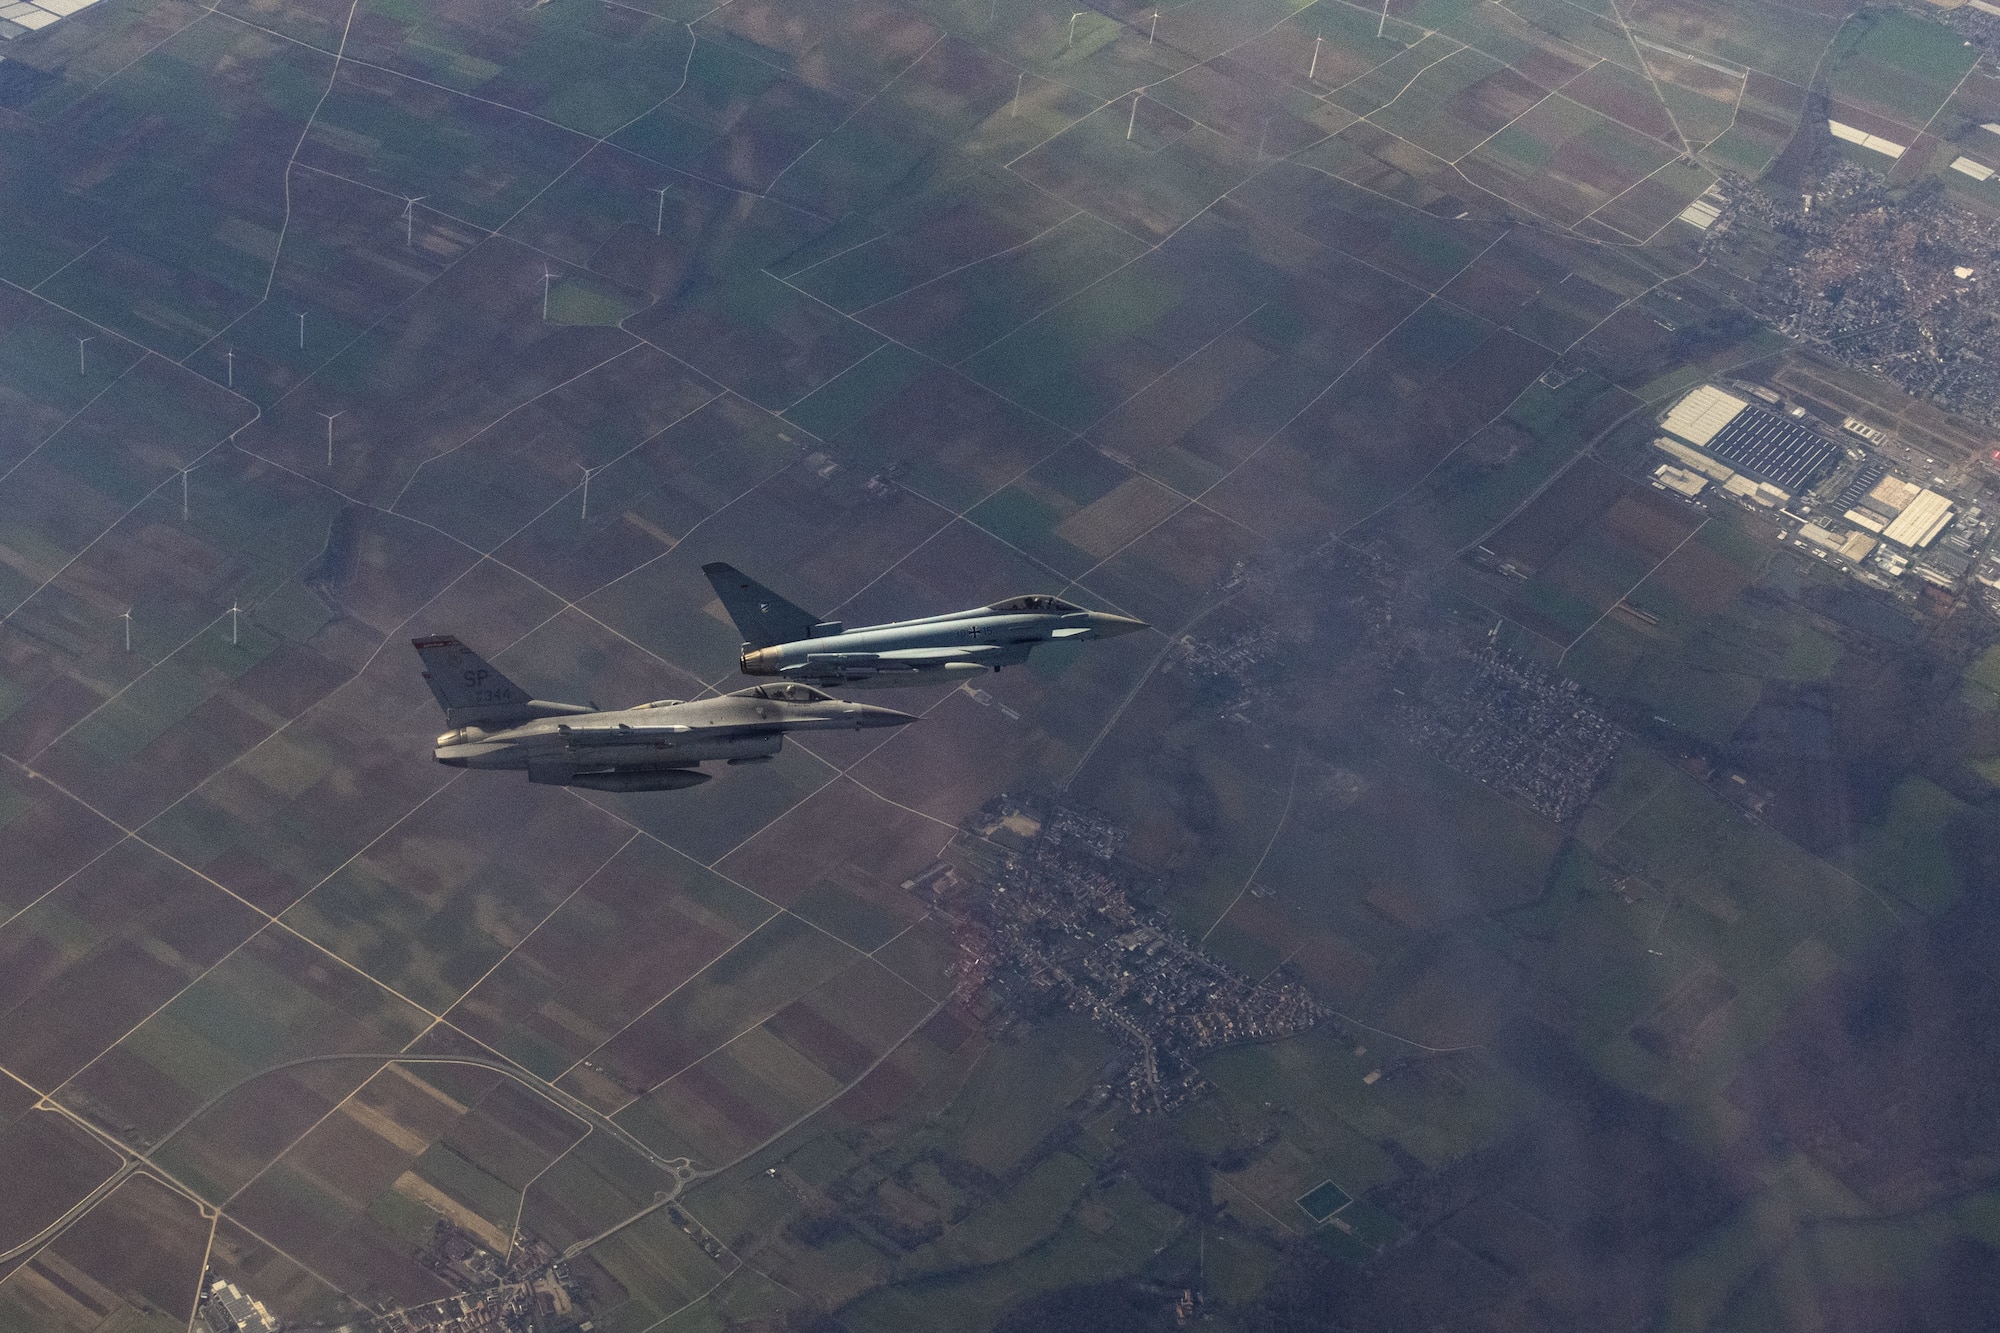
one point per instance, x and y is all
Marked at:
(1899, 65)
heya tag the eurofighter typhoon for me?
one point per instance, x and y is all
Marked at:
(781, 639)
(651, 747)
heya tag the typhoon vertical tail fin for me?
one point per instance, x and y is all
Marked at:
(471, 691)
(763, 617)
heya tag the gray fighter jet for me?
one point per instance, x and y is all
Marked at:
(781, 639)
(653, 747)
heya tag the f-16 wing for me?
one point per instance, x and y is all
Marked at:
(620, 735)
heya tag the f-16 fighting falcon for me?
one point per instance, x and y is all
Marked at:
(781, 639)
(652, 747)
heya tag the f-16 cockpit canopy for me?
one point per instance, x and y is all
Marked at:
(788, 693)
(657, 703)
(1035, 602)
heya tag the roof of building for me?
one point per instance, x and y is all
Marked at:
(1695, 459)
(1892, 495)
(1775, 449)
(1871, 471)
(1953, 563)
(1697, 417)
(1921, 521)
(1874, 142)
(1679, 479)
(1853, 545)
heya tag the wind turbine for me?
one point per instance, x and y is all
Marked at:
(79, 352)
(184, 489)
(1310, 73)
(329, 432)
(126, 616)
(234, 610)
(1072, 26)
(409, 203)
(660, 217)
(302, 330)
(587, 472)
(547, 275)
(230, 357)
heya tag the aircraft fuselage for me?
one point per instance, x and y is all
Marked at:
(654, 746)
(934, 648)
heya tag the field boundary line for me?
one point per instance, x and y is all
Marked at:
(68, 421)
(1543, 101)
(581, 885)
(581, 1246)
(1312, 402)
(1657, 566)
(36, 289)
(858, 108)
(1291, 791)
(1057, 225)
(777, 910)
(278, 250)
(1687, 148)
(585, 373)
(201, 1269)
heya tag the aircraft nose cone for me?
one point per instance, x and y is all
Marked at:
(874, 715)
(1109, 626)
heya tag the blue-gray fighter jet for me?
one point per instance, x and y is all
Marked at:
(780, 639)
(652, 747)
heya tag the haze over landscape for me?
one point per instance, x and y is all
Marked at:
(1536, 867)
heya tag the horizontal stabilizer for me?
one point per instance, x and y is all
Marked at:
(761, 616)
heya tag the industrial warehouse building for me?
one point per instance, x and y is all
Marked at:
(1768, 458)
(1903, 512)
(1772, 449)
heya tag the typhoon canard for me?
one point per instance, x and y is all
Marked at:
(650, 747)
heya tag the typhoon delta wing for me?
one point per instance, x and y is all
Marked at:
(783, 640)
(651, 747)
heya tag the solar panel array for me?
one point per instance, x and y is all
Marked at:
(1775, 449)
(1864, 481)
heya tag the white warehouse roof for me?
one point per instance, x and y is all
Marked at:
(1921, 521)
(1699, 416)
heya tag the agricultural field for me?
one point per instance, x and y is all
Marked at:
(1316, 335)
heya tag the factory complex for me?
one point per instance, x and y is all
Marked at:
(1847, 504)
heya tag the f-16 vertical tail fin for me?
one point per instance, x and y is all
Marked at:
(471, 691)
(763, 617)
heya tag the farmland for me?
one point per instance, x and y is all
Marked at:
(1322, 337)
